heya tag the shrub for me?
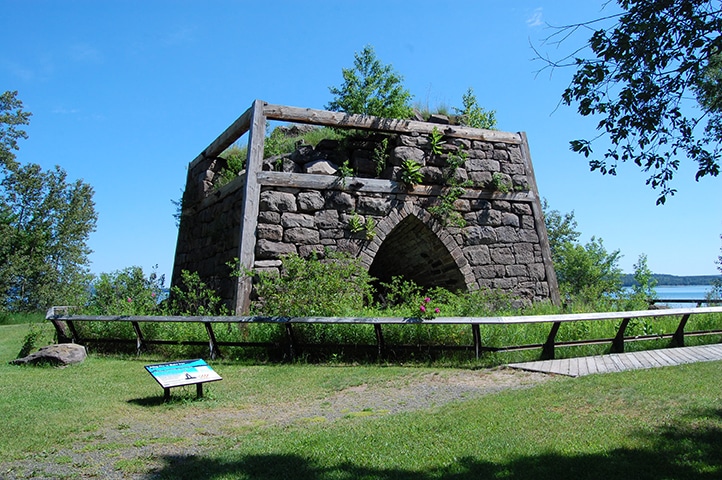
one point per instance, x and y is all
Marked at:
(336, 285)
(193, 297)
(126, 292)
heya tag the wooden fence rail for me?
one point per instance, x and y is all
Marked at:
(65, 325)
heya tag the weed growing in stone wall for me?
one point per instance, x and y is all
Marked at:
(380, 155)
(445, 209)
(411, 173)
(371, 88)
(472, 115)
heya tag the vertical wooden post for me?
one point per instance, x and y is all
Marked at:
(289, 335)
(548, 348)
(199, 390)
(213, 345)
(138, 337)
(678, 337)
(380, 345)
(541, 230)
(251, 194)
(618, 342)
(477, 339)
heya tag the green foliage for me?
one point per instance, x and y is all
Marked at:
(561, 228)
(235, 157)
(436, 141)
(371, 88)
(126, 292)
(380, 155)
(330, 286)
(500, 183)
(586, 273)
(411, 172)
(11, 117)
(445, 209)
(45, 222)
(35, 332)
(716, 292)
(345, 171)
(472, 115)
(193, 297)
(644, 69)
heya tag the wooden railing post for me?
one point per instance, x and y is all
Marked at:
(477, 339)
(138, 337)
(618, 342)
(380, 345)
(548, 348)
(289, 335)
(678, 337)
(212, 344)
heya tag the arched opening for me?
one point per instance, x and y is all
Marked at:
(413, 251)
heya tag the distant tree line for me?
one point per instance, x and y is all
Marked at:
(674, 280)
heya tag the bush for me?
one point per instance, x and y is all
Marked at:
(126, 292)
(336, 285)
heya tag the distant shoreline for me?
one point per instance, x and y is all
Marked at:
(664, 280)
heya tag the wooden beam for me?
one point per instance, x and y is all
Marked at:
(548, 348)
(541, 229)
(477, 340)
(226, 139)
(367, 122)
(678, 337)
(212, 343)
(376, 185)
(618, 342)
(251, 195)
(510, 320)
(138, 337)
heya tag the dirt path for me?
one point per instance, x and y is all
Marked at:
(132, 449)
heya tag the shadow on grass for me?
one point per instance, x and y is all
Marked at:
(693, 450)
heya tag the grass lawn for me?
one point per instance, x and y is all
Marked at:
(105, 418)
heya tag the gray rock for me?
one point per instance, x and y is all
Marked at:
(58, 355)
(322, 167)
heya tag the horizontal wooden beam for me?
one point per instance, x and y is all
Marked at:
(511, 320)
(367, 122)
(375, 185)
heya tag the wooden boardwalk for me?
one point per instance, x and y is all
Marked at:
(619, 362)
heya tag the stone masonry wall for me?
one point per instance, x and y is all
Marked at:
(489, 239)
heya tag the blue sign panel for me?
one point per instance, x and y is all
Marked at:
(182, 372)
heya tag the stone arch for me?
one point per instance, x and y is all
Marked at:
(412, 243)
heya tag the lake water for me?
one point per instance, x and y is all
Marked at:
(682, 292)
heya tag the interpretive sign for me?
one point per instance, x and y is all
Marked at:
(182, 372)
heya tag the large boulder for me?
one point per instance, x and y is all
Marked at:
(58, 355)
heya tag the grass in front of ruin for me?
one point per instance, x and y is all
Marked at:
(660, 423)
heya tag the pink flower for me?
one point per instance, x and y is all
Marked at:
(436, 310)
(427, 300)
(422, 308)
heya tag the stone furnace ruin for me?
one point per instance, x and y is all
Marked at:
(440, 204)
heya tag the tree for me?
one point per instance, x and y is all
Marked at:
(44, 225)
(654, 80)
(585, 272)
(371, 88)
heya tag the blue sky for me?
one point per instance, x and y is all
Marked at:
(125, 93)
